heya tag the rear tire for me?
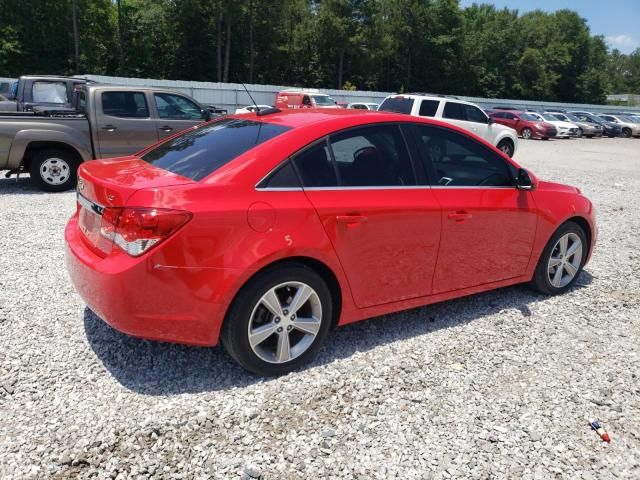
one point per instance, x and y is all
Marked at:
(54, 170)
(561, 260)
(506, 146)
(267, 332)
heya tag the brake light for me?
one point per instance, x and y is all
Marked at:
(136, 230)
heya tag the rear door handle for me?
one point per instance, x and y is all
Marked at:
(109, 128)
(460, 216)
(166, 128)
(351, 219)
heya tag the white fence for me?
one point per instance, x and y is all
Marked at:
(232, 95)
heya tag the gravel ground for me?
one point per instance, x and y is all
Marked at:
(498, 385)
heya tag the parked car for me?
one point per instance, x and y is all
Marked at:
(298, 225)
(251, 108)
(306, 98)
(462, 114)
(587, 129)
(630, 127)
(609, 129)
(565, 129)
(363, 106)
(107, 121)
(525, 124)
(46, 91)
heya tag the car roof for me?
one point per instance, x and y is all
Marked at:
(427, 96)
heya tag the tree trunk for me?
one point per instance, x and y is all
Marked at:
(340, 67)
(120, 40)
(76, 38)
(227, 51)
(251, 46)
(219, 46)
(407, 87)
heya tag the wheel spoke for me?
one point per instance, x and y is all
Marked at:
(564, 240)
(307, 325)
(300, 298)
(575, 246)
(260, 334)
(283, 353)
(557, 278)
(571, 270)
(554, 262)
(272, 303)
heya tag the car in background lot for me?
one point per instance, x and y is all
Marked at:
(609, 129)
(305, 98)
(565, 129)
(462, 114)
(252, 108)
(525, 124)
(106, 121)
(363, 106)
(630, 127)
(265, 232)
(586, 129)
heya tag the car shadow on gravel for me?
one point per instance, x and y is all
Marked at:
(21, 185)
(157, 368)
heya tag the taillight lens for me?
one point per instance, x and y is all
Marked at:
(136, 230)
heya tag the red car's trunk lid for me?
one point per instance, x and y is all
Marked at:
(110, 183)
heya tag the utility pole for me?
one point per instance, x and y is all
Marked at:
(76, 39)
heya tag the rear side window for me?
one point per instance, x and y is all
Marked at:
(49, 92)
(201, 151)
(454, 111)
(428, 108)
(397, 104)
(282, 177)
(315, 166)
(125, 104)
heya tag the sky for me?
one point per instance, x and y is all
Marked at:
(617, 20)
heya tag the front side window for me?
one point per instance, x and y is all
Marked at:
(454, 111)
(428, 108)
(372, 157)
(315, 166)
(200, 151)
(474, 114)
(176, 107)
(458, 161)
(397, 105)
(125, 104)
(49, 92)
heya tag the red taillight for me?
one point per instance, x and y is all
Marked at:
(136, 230)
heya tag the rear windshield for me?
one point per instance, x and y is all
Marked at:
(397, 104)
(199, 152)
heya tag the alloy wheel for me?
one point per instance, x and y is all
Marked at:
(285, 322)
(526, 133)
(565, 259)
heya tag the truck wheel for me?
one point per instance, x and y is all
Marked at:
(54, 170)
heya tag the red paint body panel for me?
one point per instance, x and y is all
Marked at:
(389, 249)
(547, 130)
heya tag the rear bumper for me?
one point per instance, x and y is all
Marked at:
(142, 298)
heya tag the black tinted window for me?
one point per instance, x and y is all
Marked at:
(474, 114)
(125, 104)
(460, 161)
(315, 167)
(397, 104)
(455, 111)
(428, 108)
(372, 156)
(199, 152)
(282, 177)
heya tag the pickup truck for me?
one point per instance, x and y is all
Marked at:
(106, 121)
(43, 91)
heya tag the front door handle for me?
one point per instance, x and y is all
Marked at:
(166, 128)
(351, 219)
(109, 128)
(460, 216)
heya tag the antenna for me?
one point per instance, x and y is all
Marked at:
(254, 102)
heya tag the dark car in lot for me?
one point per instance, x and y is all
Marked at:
(609, 129)
(525, 124)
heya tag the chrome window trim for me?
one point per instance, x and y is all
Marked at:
(279, 189)
(407, 187)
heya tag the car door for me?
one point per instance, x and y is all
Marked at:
(384, 227)
(466, 116)
(175, 113)
(123, 122)
(488, 225)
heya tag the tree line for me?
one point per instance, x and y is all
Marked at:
(385, 45)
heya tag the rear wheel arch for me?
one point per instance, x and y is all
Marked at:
(33, 148)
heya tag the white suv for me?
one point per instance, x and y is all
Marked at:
(462, 114)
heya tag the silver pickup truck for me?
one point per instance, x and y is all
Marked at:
(106, 121)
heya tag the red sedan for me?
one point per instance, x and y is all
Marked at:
(525, 124)
(265, 231)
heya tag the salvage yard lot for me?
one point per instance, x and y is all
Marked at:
(498, 385)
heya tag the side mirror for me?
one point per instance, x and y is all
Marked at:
(524, 180)
(490, 121)
(206, 115)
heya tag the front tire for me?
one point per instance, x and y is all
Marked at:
(54, 170)
(626, 132)
(562, 260)
(506, 146)
(279, 320)
(580, 133)
(526, 133)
